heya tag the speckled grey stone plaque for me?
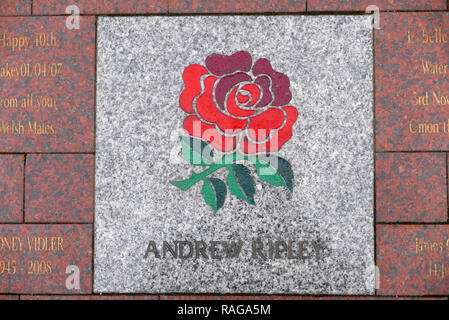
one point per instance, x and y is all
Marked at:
(312, 233)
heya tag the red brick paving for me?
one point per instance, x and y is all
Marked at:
(11, 188)
(411, 90)
(410, 186)
(34, 257)
(413, 259)
(412, 101)
(15, 7)
(89, 297)
(360, 5)
(8, 297)
(48, 82)
(100, 6)
(290, 298)
(59, 188)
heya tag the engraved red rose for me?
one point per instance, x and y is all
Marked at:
(232, 103)
(241, 109)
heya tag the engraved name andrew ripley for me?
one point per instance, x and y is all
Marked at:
(258, 249)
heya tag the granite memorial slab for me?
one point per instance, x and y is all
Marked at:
(234, 154)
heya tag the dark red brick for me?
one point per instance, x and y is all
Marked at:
(230, 6)
(60, 74)
(360, 5)
(89, 297)
(11, 188)
(411, 187)
(228, 297)
(59, 188)
(413, 259)
(72, 245)
(100, 6)
(405, 122)
(370, 298)
(8, 297)
(15, 7)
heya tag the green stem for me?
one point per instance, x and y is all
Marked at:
(231, 158)
(196, 177)
(225, 161)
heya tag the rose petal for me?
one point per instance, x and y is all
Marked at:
(280, 82)
(196, 128)
(225, 85)
(278, 138)
(207, 110)
(242, 98)
(260, 126)
(264, 82)
(254, 91)
(191, 76)
(234, 109)
(220, 64)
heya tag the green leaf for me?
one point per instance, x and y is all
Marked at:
(214, 192)
(196, 151)
(240, 182)
(231, 158)
(274, 170)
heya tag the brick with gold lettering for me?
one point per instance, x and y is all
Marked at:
(216, 6)
(411, 79)
(59, 188)
(411, 187)
(360, 5)
(11, 188)
(413, 259)
(100, 7)
(15, 7)
(42, 258)
(47, 79)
